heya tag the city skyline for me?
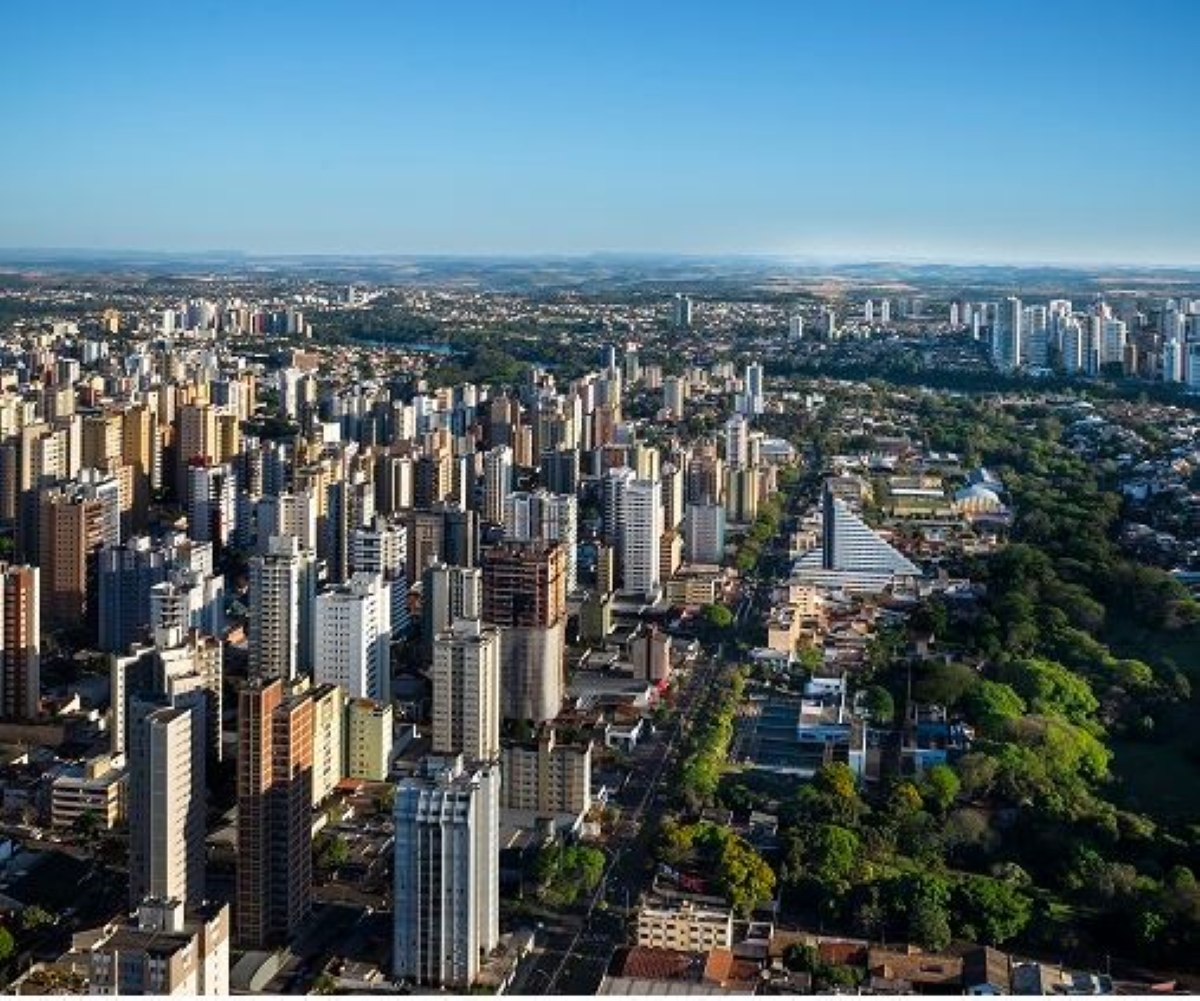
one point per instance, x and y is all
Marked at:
(864, 132)
(565, 499)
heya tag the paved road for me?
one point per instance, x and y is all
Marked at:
(573, 951)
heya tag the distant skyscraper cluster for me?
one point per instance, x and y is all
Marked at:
(1117, 337)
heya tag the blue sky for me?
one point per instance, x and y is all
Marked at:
(869, 128)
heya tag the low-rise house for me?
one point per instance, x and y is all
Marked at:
(97, 787)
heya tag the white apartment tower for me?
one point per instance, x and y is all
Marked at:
(292, 514)
(451, 593)
(1007, 334)
(212, 503)
(753, 397)
(497, 482)
(613, 487)
(641, 536)
(380, 547)
(1035, 345)
(447, 867)
(353, 630)
(737, 442)
(167, 803)
(674, 396)
(1113, 335)
(1173, 361)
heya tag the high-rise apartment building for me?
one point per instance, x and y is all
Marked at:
(541, 515)
(329, 740)
(125, 575)
(466, 691)
(674, 396)
(673, 494)
(737, 441)
(353, 637)
(547, 776)
(681, 317)
(705, 477)
(282, 596)
(704, 533)
(197, 438)
(286, 514)
(20, 641)
(274, 783)
(71, 530)
(524, 584)
(449, 593)
(497, 482)
(524, 593)
(613, 487)
(379, 547)
(164, 952)
(369, 740)
(446, 866)
(166, 801)
(640, 538)
(1007, 335)
(753, 398)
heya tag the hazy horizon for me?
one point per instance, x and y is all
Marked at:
(12, 254)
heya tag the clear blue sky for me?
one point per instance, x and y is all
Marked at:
(1006, 130)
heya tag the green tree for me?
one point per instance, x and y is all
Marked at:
(921, 904)
(717, 616)
(929, 925)
(944, 684)
(675, 841)
(836, 780)
(332, 851)
(563, 874)
(745, 879)
(992, 704)
(879, 705)
(940, 787)
(801, 958)
(991, 911)
(809, 659)
(826, 854)
(831, 797)
(586, 866)
(34, 917)
(1048, 688)
(87, 828)
(8, 945)
(905, 798)
(977, 772)
(969, 831)
(547, 863)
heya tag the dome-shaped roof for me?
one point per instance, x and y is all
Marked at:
(977, 491)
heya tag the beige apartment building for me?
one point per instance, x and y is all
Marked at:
(98, 786)
(368, 740)
(547, 777)
(163, 952)
(684, 927)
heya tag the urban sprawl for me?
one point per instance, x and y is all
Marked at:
(385, 637)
